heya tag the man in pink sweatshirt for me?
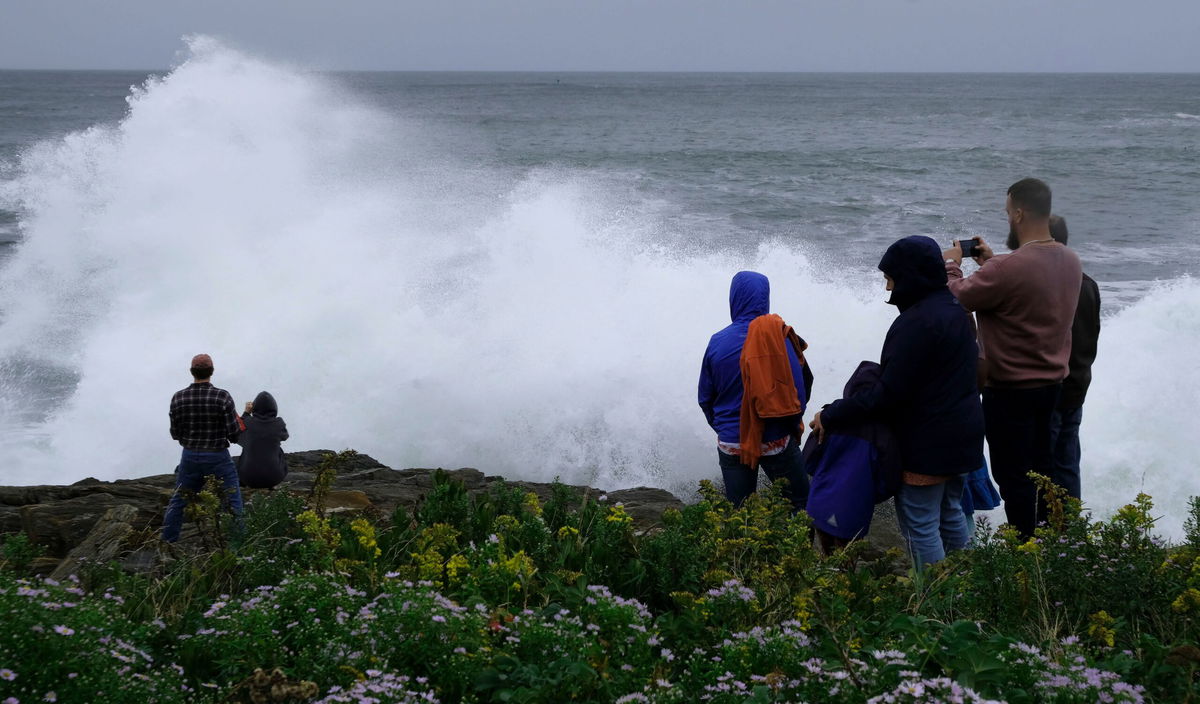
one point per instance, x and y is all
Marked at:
(1025, 305)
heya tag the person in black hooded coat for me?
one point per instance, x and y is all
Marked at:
(927, 392)
(262, 464)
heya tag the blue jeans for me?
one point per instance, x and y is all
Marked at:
(1064, 433)
(931, 519)
(189, 479)
(741, 480)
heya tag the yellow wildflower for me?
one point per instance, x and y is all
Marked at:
(532, 504)
(1187, 602)
(318, 529)
(616, 514)
(429, 565)
(1100, 628)
(456, 564)
(803, 604)
(366, 535)
(506, 523)
(520, 565)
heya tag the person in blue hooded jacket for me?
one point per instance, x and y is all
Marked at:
(927, 391)
(720, 397)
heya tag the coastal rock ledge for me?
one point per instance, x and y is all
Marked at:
(96, 521)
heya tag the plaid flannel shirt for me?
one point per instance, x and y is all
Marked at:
(204, 418)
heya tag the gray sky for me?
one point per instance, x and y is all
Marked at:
(653, 35)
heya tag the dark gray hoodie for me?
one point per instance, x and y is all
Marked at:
(262, 464)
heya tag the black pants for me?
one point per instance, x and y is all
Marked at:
(1018, 423)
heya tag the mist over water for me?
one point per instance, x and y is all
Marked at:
(418, 305)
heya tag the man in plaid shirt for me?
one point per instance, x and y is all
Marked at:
(204, 420)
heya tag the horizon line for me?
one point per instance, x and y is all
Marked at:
(645, 71)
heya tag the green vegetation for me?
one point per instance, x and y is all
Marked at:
(506, 598)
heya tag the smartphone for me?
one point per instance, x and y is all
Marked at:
(970, 248)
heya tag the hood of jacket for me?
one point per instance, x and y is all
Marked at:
(864, 377)
(265, 406)
(749, 296)
(916, 268)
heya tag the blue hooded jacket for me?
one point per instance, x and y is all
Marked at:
(720, 393)
(927, 387)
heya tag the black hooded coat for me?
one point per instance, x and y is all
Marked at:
(926, 389)
(262, 464)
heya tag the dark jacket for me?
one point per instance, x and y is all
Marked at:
(720, 388)
(1085, 336)
(979, 493)
(853, 469)
(262, 464)
(927, 388)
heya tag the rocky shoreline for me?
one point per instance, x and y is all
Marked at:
(98, 521)
(93, 521)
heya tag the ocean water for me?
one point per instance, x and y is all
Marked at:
(519, 272)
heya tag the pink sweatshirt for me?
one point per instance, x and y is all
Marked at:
(1025, 303)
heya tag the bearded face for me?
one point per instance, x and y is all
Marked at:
(1012, 242)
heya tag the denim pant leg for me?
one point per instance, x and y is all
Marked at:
(956, 534)
(189, 478)
(1065, 435)
(919, 511)
(789, 465)
(226, 473)
(740, 480)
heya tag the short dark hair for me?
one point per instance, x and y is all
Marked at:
(202, 373)
(1031, 195)
(1058, 229)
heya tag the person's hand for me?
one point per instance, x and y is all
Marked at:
(954, 253)
(985, 252)
(818, 428)
(249, 407)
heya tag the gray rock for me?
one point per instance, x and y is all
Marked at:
(885, 535)
(61, 525)
(102, 544)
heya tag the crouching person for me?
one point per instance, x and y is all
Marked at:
(753, 387)
(262, 464)
(204, 420)
(927, 393)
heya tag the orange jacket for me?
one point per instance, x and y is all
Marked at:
(769, 390)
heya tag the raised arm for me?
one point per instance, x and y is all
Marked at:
(984, 290)
(233, 422)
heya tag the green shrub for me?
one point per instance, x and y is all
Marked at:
(17, 552)
(300, 626)
(501, 597)
(60, 644)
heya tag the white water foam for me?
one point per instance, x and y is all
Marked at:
(409, 306)
(1141, 426)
